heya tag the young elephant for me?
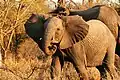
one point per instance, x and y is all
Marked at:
(86, 44)
(34, 27)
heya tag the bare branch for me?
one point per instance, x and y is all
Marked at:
(61, 3)
(74, 3)
(54, 2)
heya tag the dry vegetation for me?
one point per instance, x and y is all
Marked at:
(12, 18)
(23, 60)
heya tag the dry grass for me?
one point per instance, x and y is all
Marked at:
(28, 65)
(12, 18)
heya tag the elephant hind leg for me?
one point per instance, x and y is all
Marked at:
(110, 58)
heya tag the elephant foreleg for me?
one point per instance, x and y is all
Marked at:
(56, 66)
(78, 58)
(81, 69)
(110, 62)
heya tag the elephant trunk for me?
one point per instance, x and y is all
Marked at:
(48, 46)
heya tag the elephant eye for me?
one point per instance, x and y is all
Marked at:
(58, 29)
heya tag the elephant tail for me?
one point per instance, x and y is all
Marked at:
(119, 21)
(117, 51)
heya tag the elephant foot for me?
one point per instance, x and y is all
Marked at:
(113, 73)
(83, 76)
(115, 76)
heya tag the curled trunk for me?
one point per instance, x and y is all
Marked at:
(48, 46)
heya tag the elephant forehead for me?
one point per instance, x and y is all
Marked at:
(56, 20)
(54, 23)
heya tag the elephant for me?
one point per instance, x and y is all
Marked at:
(86, 44)
(34, 27)
(106, 14)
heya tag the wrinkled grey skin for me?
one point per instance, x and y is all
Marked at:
(85, 43)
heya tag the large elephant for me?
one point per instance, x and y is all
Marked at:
(107, 15)
(87, 44)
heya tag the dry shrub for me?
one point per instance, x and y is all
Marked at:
(30, 64)
(12, 18)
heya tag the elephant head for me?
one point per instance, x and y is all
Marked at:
(34, 27)
(63, 33)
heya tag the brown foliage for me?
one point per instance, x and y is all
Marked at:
(12, 18)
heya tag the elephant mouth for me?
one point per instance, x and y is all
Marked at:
(52, 48)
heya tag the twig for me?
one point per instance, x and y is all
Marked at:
(10, 40)
(74, 3)
(27, 8)
(13, 31)
(35, 68)
(5, 13)
(18, 19)
(31, 72)
(7, 69)
(2, 41)
(53, 2)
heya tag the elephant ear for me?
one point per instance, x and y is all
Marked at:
(76, 29)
